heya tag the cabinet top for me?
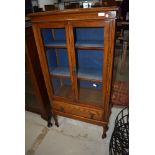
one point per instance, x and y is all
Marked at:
(76, 10)
(74, 14)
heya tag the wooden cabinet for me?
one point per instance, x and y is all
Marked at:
(76, 50)
(36, 97)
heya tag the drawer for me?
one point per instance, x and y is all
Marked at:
(86, 112)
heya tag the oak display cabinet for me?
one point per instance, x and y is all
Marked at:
(76, 50)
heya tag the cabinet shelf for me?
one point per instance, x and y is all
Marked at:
(56, 44)
(83, 74)
(60, 71)
(94, 45)
(90, 75)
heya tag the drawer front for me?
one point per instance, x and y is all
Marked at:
(78, 110)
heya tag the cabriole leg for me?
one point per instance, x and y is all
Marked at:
(49, 124)
(56, 120)
(105, 128)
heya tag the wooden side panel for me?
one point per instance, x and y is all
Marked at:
(109, 56)
(34, 70)
(106, 50)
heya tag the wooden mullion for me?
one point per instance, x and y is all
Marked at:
(72, 59)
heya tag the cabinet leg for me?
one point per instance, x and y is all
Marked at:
(49, 124)
(56, 120)
(105, 128)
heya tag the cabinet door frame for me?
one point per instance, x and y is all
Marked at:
(91, 24)
(43, 60)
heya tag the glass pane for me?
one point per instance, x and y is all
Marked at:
(89, 47)
(89, 64)
(58, 62)
(57, 58)
(89, 37)
(89, 70)
(62, 87)
(89, 52)
(54, 37)
(90, 92)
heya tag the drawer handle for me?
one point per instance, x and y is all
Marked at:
(62, 109)
(92, 115)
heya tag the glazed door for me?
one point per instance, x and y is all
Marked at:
(88, 61)
(55, 60)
